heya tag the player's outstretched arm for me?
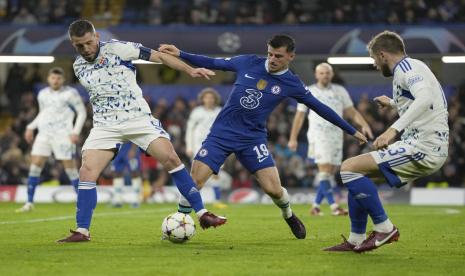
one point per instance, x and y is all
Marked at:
(225, 64)
(296, 126)
(177, 64)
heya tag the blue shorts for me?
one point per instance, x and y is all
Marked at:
(253, 155)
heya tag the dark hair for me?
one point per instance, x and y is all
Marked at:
(80, 27)
(279, 41)
(57, 71)
(387, 41)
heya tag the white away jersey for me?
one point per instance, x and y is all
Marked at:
(57, 110)
(334, 96)
(111, 82)
(198, 126)
(426, 128)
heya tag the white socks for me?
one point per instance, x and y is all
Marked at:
(284, 204)
(384, 227)
(356, 239)
(83, 231)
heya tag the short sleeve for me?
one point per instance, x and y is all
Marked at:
(302, 107)
(126, 50)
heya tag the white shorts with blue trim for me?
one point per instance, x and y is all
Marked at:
(140, 131)
(401, 163)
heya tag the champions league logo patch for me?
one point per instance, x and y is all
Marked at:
(276, 89)
(261, 84)
(203, 152)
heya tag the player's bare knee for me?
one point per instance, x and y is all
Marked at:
(171, 161)
(347, 166)
(274, 192)
(199, 181)
(86, 173)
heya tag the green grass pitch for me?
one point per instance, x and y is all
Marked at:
(255, 241)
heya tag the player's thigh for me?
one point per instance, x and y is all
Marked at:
(200, 173)
(162, 150)
(94, 162)
(364, 164)
(42, 146)
(269, 181)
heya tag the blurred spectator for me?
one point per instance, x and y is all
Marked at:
(24, 17)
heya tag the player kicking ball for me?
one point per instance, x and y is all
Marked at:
(121, 115)
(240, 128)
(422, 150)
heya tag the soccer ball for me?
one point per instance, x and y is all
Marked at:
(178, 228)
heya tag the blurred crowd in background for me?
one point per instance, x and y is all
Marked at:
(19, 100)
(211, 12)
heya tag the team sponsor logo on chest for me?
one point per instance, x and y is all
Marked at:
(261, 84)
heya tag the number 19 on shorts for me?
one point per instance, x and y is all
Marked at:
(262, 152)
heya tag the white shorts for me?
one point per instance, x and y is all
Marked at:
(140, 131)
(401, 163)
(60, 146)
(325, 152)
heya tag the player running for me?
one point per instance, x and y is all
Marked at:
(261, 84)
(58, 105)
(198, 127)
(325, 140)
(422, 150)
(122, 115)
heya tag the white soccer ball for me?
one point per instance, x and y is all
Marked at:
(178, 227)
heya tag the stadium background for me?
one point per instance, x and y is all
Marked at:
(432, 29)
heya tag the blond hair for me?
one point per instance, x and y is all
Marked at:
(387, 41)
(209, 90)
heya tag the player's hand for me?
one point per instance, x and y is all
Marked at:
(360, 137)
(385, 139)
(292, 145)
(366, 130)
(74, 138)
(201, 72)
(383, 101)
(169, 49)
(29, 135)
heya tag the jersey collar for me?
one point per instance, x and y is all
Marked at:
(395, 66)
(276, 73)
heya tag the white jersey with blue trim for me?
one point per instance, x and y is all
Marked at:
(334, 96)
(57, 109)
(111, 82)
(422, 107)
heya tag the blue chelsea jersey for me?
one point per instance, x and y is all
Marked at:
(255, 94)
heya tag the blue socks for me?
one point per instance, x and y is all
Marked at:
(358, 216)
(364, 192)
(217, 191)
(320, 195)
(32, 182)
(86, 203)
(187, 187)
